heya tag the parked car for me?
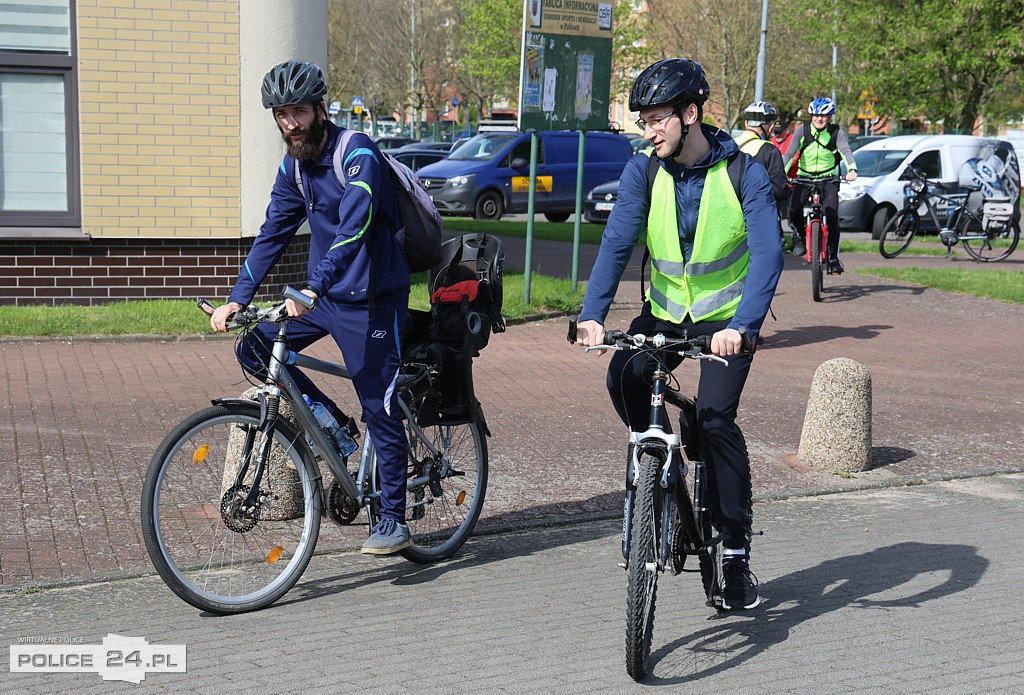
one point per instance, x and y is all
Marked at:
(416, 157)
(599, 202)
(489, 174)
(391, 142)
(876, 195)
(638, 144)
(858, 141)
(439, 146)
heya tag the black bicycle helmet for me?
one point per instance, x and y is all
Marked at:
(667, 83)
(293, 82)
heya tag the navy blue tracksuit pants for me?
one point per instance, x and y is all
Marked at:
(718, 398)
(372, 352)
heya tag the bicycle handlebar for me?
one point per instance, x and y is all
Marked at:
(806, 180)
(687, 345)
(253, 314)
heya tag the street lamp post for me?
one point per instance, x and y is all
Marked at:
(412, 71)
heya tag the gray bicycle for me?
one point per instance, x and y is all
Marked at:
(233, 498)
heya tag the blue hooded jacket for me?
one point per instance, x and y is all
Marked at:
(349, 227)
(628, 221)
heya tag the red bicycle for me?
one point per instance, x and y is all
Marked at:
(815, 229)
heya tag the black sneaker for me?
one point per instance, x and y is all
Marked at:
(799, 249)
(835, 267)
(740, 584)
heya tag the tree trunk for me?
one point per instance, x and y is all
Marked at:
(969, 113)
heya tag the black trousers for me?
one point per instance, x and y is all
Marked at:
(718, 398)
(830, 204)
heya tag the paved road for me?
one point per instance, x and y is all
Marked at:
(900, 590)
(872, 588)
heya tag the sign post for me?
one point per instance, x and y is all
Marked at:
(565, 78)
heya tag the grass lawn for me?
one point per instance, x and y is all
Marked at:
(1003, 285)
(170, 317)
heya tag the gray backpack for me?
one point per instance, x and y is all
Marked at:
(419, 226)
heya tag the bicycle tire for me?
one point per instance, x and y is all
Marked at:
(644, 548)
(816, 272)
(209, 553)
(898, 234)
(977, 246)
(442, 513)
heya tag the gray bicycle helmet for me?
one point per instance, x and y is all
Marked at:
(760, 113)
(669, 82)
(293, 82)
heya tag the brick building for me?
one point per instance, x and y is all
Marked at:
(136, 159)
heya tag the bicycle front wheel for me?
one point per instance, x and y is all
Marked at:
(445, 493)
(645, 542)
(816, 271)
(990, 248)
(209, 549)
(898, 234)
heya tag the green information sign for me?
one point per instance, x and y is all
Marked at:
(565, 72)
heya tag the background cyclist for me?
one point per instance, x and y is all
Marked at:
(715, 262)
(759, 118)
(821, 145)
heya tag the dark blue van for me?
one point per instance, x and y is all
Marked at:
(488, 175)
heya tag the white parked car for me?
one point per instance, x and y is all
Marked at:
(876, 195)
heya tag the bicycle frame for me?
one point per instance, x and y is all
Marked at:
(278, 378)
(814, 213)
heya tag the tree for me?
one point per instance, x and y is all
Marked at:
(488, 66)
(944, 60)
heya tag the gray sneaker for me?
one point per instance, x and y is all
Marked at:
(388, 537)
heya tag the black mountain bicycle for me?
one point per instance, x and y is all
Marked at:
(985, 227)
(662, 524)
(232, 500)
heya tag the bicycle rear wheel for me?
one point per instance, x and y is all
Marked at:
(898, 234)
(989, 249)
(212, 553)
(643, 568)
(816, 271)
(445, 493)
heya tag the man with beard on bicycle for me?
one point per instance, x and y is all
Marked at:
(715, 262)
(358, 275)
(820, 146)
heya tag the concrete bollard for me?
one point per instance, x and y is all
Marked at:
(280, 476)
(837, 426)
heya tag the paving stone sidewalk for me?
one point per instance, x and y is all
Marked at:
(880, 592)
(82, 418)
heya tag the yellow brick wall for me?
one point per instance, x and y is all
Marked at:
(158, 84)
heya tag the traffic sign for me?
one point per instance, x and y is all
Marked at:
(334, 108)
(455, 102)
(867, 112)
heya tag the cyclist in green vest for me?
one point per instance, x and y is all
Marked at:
(715, 262)
(759, 118)
(821, 146)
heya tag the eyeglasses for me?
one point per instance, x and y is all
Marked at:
(654, 123)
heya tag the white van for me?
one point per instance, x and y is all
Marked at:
(876, 195)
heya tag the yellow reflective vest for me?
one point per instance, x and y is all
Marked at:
(749, 142)
(709, 286)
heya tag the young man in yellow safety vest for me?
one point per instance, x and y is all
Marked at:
(713, 234)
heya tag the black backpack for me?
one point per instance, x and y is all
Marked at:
(466, 290)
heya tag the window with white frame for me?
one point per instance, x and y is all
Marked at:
(38, 116)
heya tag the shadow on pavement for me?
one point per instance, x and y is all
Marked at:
(886, 455)
(808, 335)
(847, 582)
(480, 549)
(848, 293)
